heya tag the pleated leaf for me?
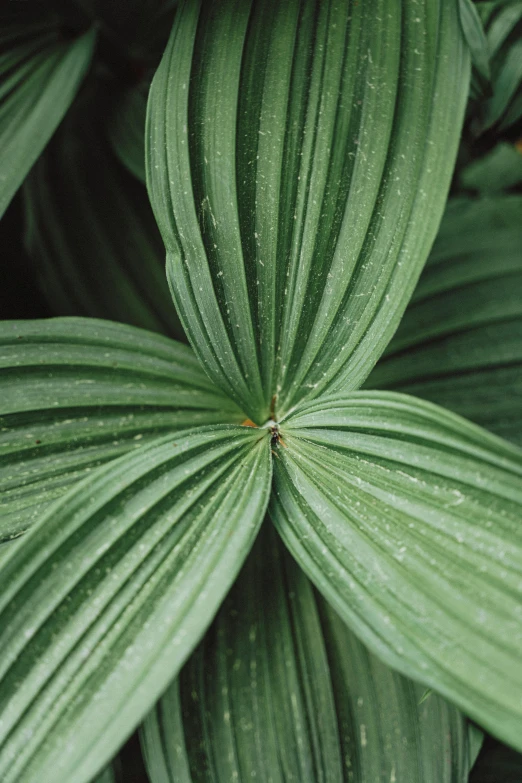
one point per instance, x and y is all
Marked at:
(40, 73)
(460, 341)
(407, 518)
(75, 393)
(503, 22)
(90, 230)
(102, 602)
(281, 690)
(299, 156)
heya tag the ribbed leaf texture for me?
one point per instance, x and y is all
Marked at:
(460, 341)
(281, 690)
(407, 517)
(103, 600)
(40, 72)
(299, 157)
(90, 230)
(75, 393)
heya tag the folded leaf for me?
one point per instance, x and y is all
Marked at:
(460, 341)
(281, 690)
(298, 170)
(40, 73)
(407, 518)
(102, 602)
(90, 230)
(75, 393)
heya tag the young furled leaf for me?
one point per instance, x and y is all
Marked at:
(281, 690)
(407, 518)
(103, 600)
(299, 157)
(40, 73)
(75, 393)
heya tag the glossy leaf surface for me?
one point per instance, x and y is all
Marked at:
(281, 690)
(75, 393)
(407, 518)
(298, 170)
(40, 73)
(460, 341)
(102, 602)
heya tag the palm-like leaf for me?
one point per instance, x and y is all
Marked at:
(76, 393)
(103, 600)
(298, 170)
(407, 518)
(281, 690)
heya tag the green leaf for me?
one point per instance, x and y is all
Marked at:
(281, 690)
(104, 599)
(39, 76)
(407, 518)
(460, 341)
(107, 776)
(75, 393)
(497, 170)
(298, 170)
(90, 230)
(127, 128)
(475, 37)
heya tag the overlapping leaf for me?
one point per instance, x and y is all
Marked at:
(281, 690)
(299, 156)
(90, 230)
(75, 393)
(40, 72)
(503, 22)
(407, 517)
(460, 341)
(103, 600)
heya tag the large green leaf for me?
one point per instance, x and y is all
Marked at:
(40, 72)
(407, 517)
(280, 690)
(460, 341)
(298, 168)
(90, 230)
(75, 393)
(103, 600)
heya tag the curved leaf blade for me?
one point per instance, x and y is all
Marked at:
(39, 77)
(90, 230)
(298, 201)
(75, 393)
(407, 518)
(281, 690)
(460, 341)
(102, 602)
